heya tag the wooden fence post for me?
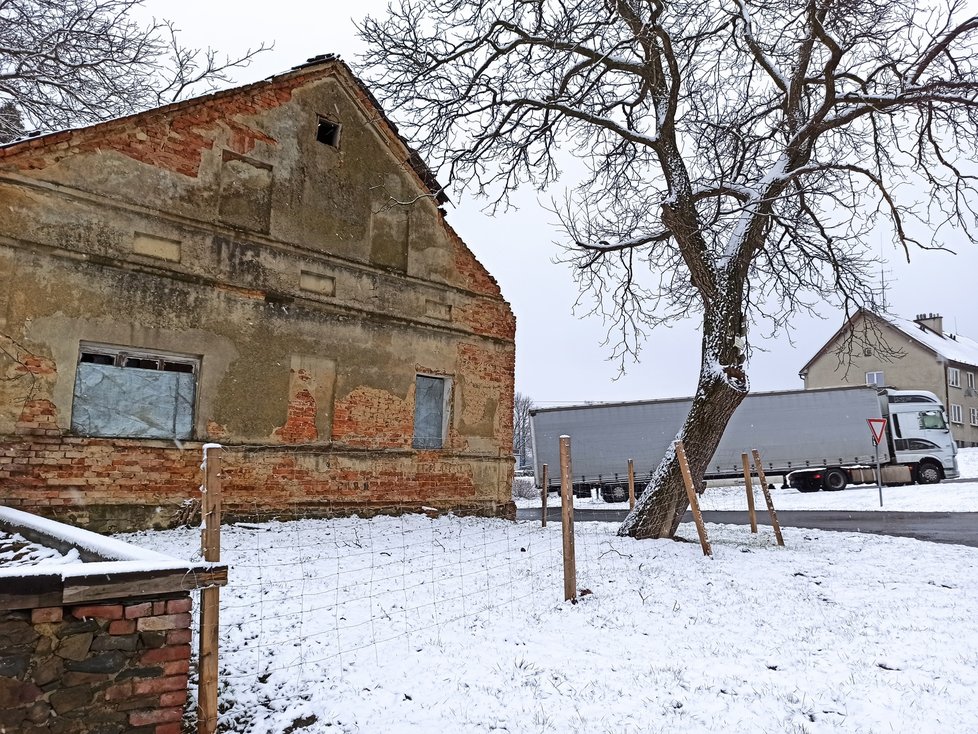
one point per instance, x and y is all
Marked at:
(567, 519)
(631, 485)
(767, 496)
(749, 485)
(543, 497)
(694, 503)
(210, 546)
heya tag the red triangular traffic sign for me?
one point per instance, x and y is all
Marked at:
(877, 426)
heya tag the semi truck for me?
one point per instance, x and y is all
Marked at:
(813, 439)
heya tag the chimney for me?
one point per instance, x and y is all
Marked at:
(932, 321)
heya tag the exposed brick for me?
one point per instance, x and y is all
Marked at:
(176, 667)
(178, 637)
(122, 627)
(173, 698)
(171, 728)
(155, 716)
(159, 685)
(163, 654)
(163, 622)
(97, 611)
(138, 610)
(178, 606)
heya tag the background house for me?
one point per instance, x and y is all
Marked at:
(266, 267)
(886, 350)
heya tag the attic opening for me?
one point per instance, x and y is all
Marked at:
(328, 133)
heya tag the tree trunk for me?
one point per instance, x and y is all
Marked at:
(720, 390)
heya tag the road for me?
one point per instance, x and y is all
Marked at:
(960, 528)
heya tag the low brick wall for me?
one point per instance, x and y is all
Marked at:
(96, 669)
(94, 632)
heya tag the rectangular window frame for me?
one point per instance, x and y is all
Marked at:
(971, 380)
(957, 415)
(974, 416)
(875, 377)
(109, 379)
(421, 439)
(953, 377)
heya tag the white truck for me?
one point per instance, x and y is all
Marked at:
(813, 439)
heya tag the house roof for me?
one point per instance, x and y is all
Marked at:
(951, 347)
(945, 346)
(35, 141)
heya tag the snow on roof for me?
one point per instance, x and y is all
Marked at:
(952, 347)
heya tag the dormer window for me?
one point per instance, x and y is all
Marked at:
(328, 133)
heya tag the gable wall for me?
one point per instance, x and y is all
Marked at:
(312, 282)
(904, 363)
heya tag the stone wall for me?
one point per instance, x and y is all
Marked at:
(117, 666)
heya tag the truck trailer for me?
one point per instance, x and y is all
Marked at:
(813, 439)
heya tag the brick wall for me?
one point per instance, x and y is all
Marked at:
(96, 669)
(114, 485)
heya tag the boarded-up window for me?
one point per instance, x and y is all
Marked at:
(430, 412)
(126, 394)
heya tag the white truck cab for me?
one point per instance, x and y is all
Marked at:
(918, 434)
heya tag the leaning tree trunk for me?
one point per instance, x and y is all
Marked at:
(721, 388)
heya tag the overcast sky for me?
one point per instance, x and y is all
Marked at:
(560, 357)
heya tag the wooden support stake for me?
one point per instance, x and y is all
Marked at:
(767, 496)
(543, 497)
(567, 519)
(694, 503)
(750, 493)
(631, 484)
(210, 605)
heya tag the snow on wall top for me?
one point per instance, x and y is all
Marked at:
(107, 554)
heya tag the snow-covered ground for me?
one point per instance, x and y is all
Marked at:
(412, 624)
(944, 497)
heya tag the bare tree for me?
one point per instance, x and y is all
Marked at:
(74, 62)
(522, 405)
(739, 153)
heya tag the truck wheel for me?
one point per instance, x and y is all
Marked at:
(834, 480)
(928, 473)
(614, 493)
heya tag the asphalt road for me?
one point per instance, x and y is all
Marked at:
(939, 527)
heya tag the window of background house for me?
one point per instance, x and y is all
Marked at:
(974, 416)
(128, 393)
(874, 378)
(971, 380)
(956, 414)
(430, 412)
(954, 377)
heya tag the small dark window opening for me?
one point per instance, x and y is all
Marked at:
(178, 367)
(328, 133)
(142, 363)
(121, 359)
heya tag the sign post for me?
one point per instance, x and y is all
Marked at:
(876, 427)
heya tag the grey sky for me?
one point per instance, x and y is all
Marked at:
(560, 357)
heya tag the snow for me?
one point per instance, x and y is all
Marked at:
(417, 624)
(15, 550)
(955, 348)
(943, 497)
(119, 557)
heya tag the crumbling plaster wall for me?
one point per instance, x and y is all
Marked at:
(313, 281)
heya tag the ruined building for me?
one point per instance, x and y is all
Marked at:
(266, 267)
